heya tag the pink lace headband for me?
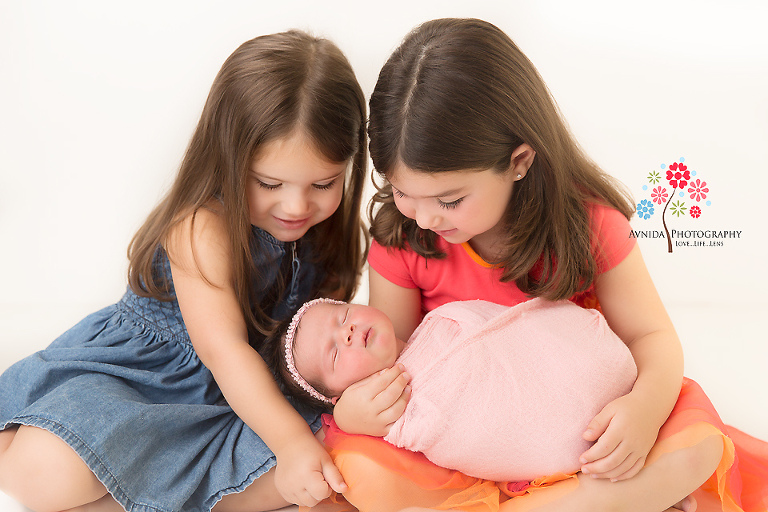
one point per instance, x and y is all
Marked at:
(289, 340)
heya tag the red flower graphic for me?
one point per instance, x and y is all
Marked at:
(659, 195)
(678, 175)
(697, 190)
(695, 212)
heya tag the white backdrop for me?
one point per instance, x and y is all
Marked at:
(98, 100)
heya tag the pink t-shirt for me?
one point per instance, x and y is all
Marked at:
(463, 275)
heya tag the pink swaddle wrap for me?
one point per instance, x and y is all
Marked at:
(505, 393)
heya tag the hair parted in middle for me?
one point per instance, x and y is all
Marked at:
(459, 95)
(269, 88)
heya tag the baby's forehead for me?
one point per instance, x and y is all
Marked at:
(319, 311)
(316, 319)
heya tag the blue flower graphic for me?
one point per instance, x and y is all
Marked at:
(645, 209)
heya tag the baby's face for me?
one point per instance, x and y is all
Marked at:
(336, 345)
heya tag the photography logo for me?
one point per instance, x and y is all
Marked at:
(677, 192)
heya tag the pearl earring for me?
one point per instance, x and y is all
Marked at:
(519, 176)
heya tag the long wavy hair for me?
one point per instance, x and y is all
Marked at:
(458, 94)
(268, 88)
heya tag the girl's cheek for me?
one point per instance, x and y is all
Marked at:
(405, 208)
(334, 201)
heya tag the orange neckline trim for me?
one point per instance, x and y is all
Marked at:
(475, 257)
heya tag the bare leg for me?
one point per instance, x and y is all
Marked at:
(261, 495)
(42, 472)
(668, 480)
(45, 474)
(651, 490)
(106, 504)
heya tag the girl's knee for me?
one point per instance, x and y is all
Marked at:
(6, 437)
(702, 459)
(44, 473)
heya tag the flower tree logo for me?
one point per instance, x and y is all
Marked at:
(669, 190)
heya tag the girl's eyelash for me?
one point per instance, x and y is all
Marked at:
(447, 206)
(267, 186)
(451, 205)
(325, 186)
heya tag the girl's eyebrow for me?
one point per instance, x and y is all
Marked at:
(334, 176)
(450, 192)
(261, 175)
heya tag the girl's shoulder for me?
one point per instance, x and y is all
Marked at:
(198, 241)
(205, 221)
(612, 238)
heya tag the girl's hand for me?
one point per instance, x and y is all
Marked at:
(305, 473)
(624, 437)
(372, 405)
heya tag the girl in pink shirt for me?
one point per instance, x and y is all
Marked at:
(486, 195)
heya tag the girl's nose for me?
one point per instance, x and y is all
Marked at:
(296, 204)
(426, 220)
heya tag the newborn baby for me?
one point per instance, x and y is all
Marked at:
(498, 393)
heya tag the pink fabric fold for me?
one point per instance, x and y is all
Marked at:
(504, 393)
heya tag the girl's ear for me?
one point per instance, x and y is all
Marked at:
(521, 161)
(334, 400)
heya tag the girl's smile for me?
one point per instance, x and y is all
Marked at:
(292, 224)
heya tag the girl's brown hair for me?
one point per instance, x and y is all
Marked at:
(267, 89)
(458, 94)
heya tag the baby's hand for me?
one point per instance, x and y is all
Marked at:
(305, 473)
(372, 405)
(624, 438)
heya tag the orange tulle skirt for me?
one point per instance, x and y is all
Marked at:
(382, 477)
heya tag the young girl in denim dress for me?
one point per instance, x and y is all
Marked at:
(162, 402)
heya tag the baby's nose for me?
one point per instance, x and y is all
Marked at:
(347, 333)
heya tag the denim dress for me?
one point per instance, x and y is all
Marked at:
(126, 390)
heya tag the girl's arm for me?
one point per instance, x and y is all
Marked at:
(371, 406)
(401, 305)
(627, 428)
(201, 269)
